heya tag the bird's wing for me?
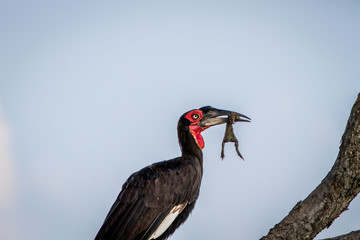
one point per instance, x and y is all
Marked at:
(147, 198)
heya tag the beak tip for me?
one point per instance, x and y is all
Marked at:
(242, 118)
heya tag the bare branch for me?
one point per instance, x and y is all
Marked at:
(332, 196)
(355, 235)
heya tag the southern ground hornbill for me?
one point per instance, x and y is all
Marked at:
(156, 200)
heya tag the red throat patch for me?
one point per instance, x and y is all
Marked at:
(196, 132)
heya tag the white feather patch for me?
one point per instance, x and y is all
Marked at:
(168, 220)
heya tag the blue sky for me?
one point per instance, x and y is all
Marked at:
(92, 91)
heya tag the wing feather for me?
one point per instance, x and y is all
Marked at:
(155, 224)
(148, 196)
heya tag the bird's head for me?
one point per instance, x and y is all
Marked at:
(197, 120)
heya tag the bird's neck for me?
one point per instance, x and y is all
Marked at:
(188, 145)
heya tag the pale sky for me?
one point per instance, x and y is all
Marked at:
(91, 91)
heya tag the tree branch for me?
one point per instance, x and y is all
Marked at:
(355, 235)
(332, 196)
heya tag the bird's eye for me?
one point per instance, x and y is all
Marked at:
(195, 116)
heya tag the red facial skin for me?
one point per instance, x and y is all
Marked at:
(194, 117)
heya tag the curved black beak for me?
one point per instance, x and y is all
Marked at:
(213, 117)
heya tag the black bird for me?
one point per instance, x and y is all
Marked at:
(156, 200)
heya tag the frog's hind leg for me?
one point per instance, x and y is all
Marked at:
(236, 143)
(222, 150)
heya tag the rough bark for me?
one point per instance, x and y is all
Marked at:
(332, 196)
(355, 235)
